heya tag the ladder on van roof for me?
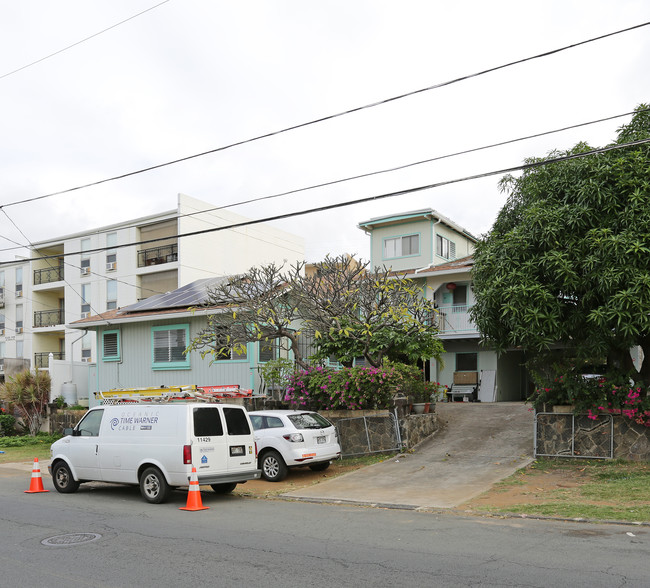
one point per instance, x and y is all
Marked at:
(165, 394)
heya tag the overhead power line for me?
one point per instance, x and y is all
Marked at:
(377, 172)
(329, 117)
(325, 208)
(81, 41)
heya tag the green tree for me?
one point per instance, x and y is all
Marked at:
(567, 261)
(350, 311)
(29, 393)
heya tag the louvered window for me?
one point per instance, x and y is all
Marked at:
(111, 346)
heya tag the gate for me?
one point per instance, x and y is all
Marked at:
(368, 434)
(574, 435)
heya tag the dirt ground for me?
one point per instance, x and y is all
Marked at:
(531, 487)
(296, 479)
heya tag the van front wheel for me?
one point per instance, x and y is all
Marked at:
(63, 480)
(153, 486)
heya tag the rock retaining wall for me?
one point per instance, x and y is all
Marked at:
(578, 436)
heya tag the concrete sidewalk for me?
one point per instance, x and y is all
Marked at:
(478, 444)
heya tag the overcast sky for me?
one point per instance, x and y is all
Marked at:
(191, 76)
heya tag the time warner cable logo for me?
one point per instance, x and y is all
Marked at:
(114, 423)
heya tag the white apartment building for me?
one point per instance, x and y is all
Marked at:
(88, 273)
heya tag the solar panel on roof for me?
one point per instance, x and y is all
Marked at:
(192, 294)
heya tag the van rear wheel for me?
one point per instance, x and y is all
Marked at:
(153, 486)
(224, 488)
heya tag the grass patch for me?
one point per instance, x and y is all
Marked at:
(364, 460)
(579, 511)
(595, 489)
(26, 448)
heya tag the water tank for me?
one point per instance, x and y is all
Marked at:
(69, 393)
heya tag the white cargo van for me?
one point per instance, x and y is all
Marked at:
(155, 446)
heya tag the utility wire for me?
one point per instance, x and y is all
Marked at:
(81, 41)
(329, 117)
(382, 171)
(287, 215)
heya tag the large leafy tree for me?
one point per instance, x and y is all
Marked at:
(567, 261)
(349, 311)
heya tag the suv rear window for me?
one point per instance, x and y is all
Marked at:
(207, 422)
(309, 420)
(236, 421)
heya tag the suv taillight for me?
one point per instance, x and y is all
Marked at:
(294, 437)
(187, 454)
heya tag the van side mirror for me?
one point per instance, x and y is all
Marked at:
(67, 431)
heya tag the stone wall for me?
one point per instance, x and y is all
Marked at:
(579, 436)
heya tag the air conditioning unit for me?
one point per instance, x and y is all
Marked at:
(85, 271)
(110, 266)
(86, 359)
(85, 315)
(2, 332)
(19, 293)
(19, 330)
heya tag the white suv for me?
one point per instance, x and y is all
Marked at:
(292, 438)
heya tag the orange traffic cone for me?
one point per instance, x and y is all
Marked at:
(36, 485)
(194, 494)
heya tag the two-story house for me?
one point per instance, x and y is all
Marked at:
(437, 253)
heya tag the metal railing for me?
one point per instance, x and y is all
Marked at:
(47, 275)
(455, 319)
(41, 360)
(158, 255)
(48, 318)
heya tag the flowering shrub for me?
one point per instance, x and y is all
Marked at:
(357, 388)
(594, 396)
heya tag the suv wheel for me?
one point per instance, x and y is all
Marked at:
(273, 467)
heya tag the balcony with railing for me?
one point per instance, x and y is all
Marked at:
(48, 318)
(48, 275)
(455, 321)
(158, 255)
(42, 361)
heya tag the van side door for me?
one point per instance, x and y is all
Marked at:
(241, 440)
(208, 441)
(84, 447)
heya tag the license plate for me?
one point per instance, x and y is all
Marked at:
(321, 439)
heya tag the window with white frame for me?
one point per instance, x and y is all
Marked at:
(401, 246)
(85, 256)
(111, 254)
(86, 347)
(19, 318)
(168, 347)
(445, 248)
(19, 281)
(85, 299)
(19, 349)
(111, 294)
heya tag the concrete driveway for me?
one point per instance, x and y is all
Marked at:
(477, 445)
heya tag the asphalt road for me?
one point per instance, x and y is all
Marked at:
(107, 536)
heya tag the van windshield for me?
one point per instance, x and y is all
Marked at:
(207, 422)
